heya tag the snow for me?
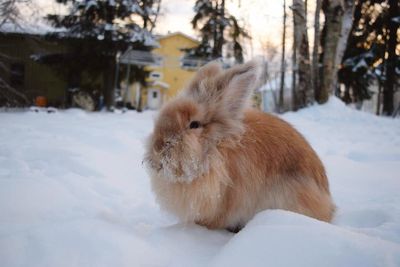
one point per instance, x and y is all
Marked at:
(396, 19)
(288, 239)
(34, 26)
(89, 4)
(73, 192)
(362, 64)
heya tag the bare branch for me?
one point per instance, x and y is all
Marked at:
(11, 94)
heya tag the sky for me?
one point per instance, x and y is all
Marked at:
(263, 19)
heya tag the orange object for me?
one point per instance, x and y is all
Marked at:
(41, 101)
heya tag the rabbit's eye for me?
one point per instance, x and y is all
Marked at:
(194, 125)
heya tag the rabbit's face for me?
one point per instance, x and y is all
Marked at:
(176, 147)
(207, 114)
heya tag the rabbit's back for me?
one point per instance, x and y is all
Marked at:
(279, 149)
(274, 167)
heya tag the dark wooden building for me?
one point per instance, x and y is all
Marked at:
(20, 70)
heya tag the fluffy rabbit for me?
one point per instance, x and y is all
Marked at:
(216, 162)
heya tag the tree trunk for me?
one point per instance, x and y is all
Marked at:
(139, 107)
(282, 85)
(108, 78)
(389, 84)
(304, 95)
(110, 62)
(294, 72)
(378, 102)
(333, 11)
(218, 37)
(347, 23)
(220, 40)
(315, 54)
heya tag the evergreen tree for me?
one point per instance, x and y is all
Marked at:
(97, 30)
(220, 32)
(367, 56)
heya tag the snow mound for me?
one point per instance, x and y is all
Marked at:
(282, 238)
(73, 192)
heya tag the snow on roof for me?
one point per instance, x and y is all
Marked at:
(35, 27)
(141, 58)
(161, 84)
(177, 33)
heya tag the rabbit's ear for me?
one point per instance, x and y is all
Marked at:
(208, 71)
(236, 86)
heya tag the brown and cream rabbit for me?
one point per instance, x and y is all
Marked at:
(215, 161)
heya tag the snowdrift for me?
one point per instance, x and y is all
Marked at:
(73, 192)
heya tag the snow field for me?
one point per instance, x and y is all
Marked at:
(73, 192)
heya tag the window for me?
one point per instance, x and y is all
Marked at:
(191, 63)
(154, 94)
(17, 74)
(155, 75)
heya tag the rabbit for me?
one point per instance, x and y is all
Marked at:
(215, 161)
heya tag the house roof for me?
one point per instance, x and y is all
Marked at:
(34, 27)
(177, 33)
(140, 58)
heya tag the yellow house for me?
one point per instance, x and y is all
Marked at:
(166, 80)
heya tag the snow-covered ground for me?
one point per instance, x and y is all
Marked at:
(73, 192)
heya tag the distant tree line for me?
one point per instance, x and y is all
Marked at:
(357, 44)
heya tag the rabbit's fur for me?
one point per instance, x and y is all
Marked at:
(238, 162)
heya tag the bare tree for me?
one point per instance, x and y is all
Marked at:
(10, 13)
(315, 54)
(347, 23)
(283, 63)
(346, 26)
(12, 95)
(333, 10)
(304, 95)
